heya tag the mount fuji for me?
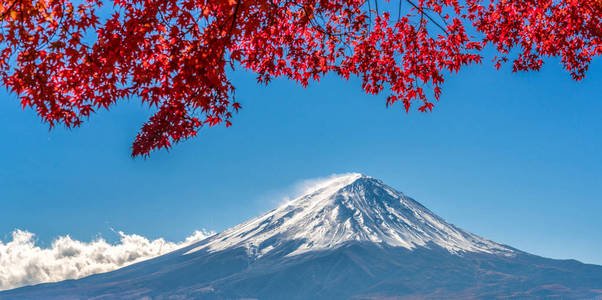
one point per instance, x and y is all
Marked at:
(350, 237)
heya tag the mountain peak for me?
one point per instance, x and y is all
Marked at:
(347, 208)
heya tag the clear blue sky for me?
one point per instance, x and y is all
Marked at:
(516, 158)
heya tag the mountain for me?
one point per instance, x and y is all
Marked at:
(344, 209)
(351, 237)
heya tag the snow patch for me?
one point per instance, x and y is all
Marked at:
(343, 208)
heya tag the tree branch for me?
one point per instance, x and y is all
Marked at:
(427, 15)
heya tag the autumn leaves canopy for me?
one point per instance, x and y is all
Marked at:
(66, 59)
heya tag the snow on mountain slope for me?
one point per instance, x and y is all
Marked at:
(351, 207)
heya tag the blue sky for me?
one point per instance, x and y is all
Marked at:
(515, 158)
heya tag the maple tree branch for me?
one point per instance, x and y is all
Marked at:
(9, 9)
(376, 6)
(320, 29)
(163, 21)
(369, 15)
(234, 16)
(298, 39)
(59, 24)
(427, 15)
(223, 49)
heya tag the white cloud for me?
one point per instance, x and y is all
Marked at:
(307, 186)
(281, 196)
(22, 262)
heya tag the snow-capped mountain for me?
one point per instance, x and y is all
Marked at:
(350, 237)
(351, 207)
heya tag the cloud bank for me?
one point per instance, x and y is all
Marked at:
(23, 263)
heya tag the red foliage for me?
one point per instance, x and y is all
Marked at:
(65, 61)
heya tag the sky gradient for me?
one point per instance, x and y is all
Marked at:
(515, 158)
